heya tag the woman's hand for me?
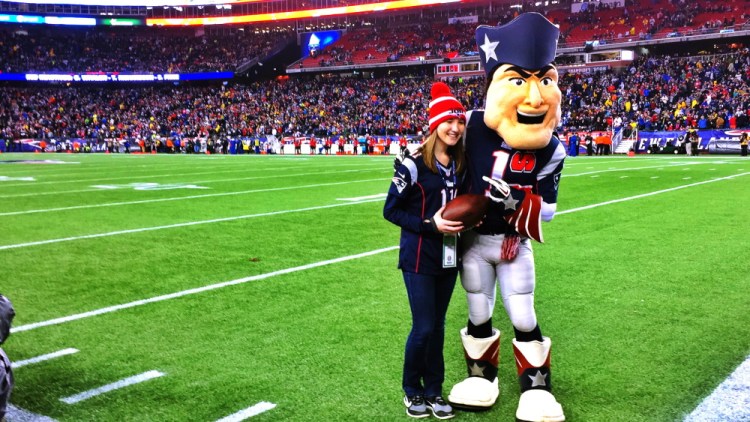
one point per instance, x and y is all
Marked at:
(446, 226)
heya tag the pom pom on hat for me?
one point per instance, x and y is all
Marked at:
(444, 106)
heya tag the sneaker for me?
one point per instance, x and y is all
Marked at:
(416, 407)
(440, 408)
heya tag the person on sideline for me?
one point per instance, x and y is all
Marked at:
(744, 138)
(421, 186)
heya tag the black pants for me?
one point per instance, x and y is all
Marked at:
(743, 150)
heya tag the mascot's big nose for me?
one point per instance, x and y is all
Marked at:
(534, 97)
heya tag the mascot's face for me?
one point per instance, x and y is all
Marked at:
(523, 106)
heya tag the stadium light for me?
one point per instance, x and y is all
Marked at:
(299, 14)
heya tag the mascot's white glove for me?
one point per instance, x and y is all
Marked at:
(499, 190)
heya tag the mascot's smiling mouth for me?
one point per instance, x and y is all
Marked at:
(530, 119)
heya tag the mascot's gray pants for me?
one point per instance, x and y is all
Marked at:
(483, 269)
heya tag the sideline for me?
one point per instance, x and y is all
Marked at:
(17, 414)
(730, 401)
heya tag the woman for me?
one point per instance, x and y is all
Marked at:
(421, 186)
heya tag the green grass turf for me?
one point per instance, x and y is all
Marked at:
(645, 299)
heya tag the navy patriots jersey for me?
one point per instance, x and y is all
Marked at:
(414, 197)
(535, 171)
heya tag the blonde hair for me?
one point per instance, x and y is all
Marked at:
(427, 150)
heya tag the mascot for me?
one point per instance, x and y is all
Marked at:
(515, 158)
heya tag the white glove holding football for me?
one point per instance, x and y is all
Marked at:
(499, 190)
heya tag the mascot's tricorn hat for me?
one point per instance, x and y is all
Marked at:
(528, 41)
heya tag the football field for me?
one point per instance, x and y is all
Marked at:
(206, 288)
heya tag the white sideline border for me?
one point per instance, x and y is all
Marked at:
(730, 401)
(17, 414)
(42, 358)
(251, 411)
(135, 379)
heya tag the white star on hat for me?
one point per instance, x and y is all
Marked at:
(489, 48)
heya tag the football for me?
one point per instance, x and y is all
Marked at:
(468, 208)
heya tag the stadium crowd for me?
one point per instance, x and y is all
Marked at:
(297, 105)
(654, 93)
(662, 93)
(129, 50)
(609, 23)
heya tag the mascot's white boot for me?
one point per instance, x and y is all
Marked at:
(537, 404)
(480, 389)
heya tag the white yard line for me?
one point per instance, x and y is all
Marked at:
(644, 195)
(42, 358)
(661, 166)
(181, 198)
(136, 379)
(200, 182)
(362, 198)
(730, 401)
(132, 176)
(249, 412)
(172, 226)
(196, 290)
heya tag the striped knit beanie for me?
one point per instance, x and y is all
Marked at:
(444, 106)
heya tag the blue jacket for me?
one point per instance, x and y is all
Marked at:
(414, 197)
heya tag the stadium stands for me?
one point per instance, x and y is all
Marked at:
(660, 92)
(647, 19)
(24, 49)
